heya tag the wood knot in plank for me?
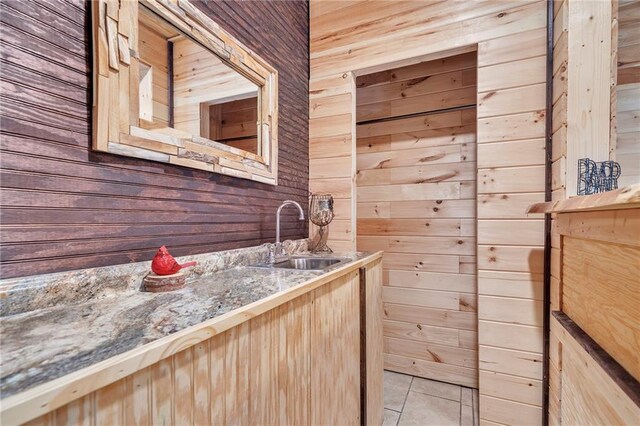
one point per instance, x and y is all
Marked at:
(431, 158)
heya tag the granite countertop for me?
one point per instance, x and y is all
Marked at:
(44, 344)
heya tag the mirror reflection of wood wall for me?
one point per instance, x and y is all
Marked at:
(232, 122)
(186, 87)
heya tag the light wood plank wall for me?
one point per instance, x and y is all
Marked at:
(235, 122)
(627, 149)
(558, 186)
(416, 201)
(622, 139)
(200, 76)
(154, 53)
(592, 115)
(332, 145)
(358, 37)
(277, 368)
(581, 88)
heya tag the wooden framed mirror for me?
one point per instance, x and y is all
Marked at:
(171, 86)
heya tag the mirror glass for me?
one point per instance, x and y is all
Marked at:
(187, 88)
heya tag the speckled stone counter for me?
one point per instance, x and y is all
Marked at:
(24, 294)
(43, 344)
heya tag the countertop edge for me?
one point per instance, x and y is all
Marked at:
(46, 397)
(623, 198)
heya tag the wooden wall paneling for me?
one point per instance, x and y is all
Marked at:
(511, 61)
(517, 101)
(512, 362)
(46, 138)
(506, 386)
(588, 84)
(414, 165)
(520, 285)
(613, 78)
(559, 185)
(332, 151)
(457, 27)
(464, 320)
(628, 51)
(506, 411)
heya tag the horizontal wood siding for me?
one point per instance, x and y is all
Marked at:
(65, 207)
(357, 38)
(430, 279)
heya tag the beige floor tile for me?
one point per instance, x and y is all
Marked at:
(466, 396)
(390, 418)
(396, 387)
(423, 410)
(466, 415)
(434, 388)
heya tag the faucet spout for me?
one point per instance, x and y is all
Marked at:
(286, 203)
(276, 256)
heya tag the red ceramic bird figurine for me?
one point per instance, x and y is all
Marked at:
(164, 264)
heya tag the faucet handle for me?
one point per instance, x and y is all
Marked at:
(271, 252)
(278, 248)
(279, 253)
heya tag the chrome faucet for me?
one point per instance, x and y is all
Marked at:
(277, 255)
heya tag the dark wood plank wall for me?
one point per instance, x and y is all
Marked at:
(64, 207)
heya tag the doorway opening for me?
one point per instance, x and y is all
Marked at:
(416, 200)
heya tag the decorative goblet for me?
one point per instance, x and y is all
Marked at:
(321, 214)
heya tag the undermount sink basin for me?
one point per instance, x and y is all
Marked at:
(306, 263)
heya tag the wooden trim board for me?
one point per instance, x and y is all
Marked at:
(629, 385)
(623, 198)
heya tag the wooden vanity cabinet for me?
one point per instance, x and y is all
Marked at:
(315, 359)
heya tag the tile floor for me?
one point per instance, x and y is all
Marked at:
(410, 400)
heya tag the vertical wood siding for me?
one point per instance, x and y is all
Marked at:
(65, 207)
(354, 38)
(296, 364)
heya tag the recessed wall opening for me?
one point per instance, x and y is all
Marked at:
(232, 122)
(416, 200)
(145, 92)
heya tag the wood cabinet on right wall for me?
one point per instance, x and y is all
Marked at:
(596, 80)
